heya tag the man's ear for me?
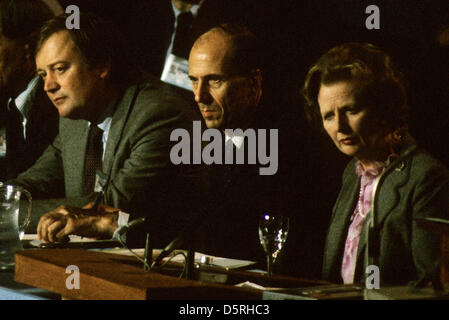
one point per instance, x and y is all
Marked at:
(256, 83)
(256, 76)
(105, 70)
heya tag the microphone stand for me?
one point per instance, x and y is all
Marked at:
(175, 244)
(190, 262)
(372, 234)
(148, 255)
(187, 239)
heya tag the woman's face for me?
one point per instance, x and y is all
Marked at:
(350, 124)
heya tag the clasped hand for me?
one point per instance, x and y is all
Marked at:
(58, 224)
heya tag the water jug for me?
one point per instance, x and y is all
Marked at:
(12, 200)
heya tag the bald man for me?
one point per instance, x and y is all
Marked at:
(226, 76)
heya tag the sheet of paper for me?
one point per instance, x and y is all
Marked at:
(221, 262)
(176, 72)
(226, 263)
(36, 243)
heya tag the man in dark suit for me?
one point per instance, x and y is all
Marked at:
(111, 130)
(227, 84)
(29, 119)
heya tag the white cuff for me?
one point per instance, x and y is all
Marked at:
(122, 221)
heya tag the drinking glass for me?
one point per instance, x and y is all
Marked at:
(10, 230)
(273, 231)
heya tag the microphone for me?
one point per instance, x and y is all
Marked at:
(123, 229)
(175, 244)
(185, 237)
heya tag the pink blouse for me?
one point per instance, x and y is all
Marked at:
(367, 182)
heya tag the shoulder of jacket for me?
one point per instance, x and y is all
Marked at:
(423, 163)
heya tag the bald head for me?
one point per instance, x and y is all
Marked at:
(214, 34)
(239, 46)
(215, 46)
(225, 80)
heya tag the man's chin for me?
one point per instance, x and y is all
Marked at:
(63, 113)
(213, 124)
(68, 114)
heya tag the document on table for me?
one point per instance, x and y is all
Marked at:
(74, 242)
(114, 247)
(200, 258)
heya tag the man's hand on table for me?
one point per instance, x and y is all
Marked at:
(58, 224)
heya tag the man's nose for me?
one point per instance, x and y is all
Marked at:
(50, 84)
(202, 94)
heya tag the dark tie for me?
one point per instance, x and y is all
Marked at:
(15, 141)
(93, 160)
(181, 43)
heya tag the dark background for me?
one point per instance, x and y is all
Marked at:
(294, 35)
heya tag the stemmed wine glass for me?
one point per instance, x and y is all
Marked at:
(273, 231)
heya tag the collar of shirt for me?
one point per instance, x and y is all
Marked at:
(24, 99)
(193, 9)
(237, 140)
(105, 123)
(379, 166)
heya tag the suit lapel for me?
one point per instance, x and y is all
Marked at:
(74, 149)
(387, 199)
(118, 122)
